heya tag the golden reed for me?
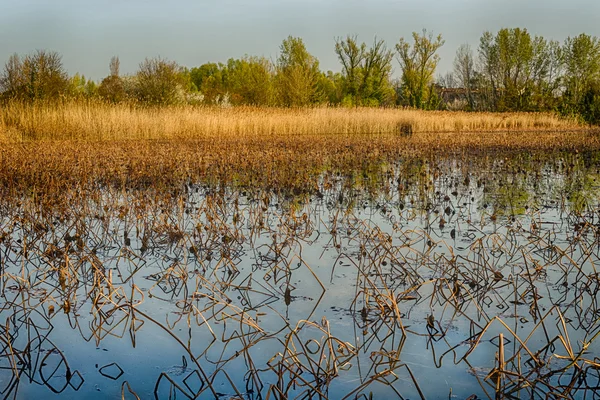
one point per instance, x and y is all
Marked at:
(100, 121)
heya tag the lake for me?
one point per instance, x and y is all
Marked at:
(426, 277)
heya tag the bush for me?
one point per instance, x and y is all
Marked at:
(38, 76)
(589, 107)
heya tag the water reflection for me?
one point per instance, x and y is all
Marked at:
(419, 279)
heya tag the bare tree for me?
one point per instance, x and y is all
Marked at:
(158, 81)
(37, 76)
(114, 66)
(464, 72)
(11, 79)
(112, 88)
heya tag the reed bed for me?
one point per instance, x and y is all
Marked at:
(101, 121)
(316, 251)
(41, 170)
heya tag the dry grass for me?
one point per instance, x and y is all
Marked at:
(45, 171)
(98, 121)
(45, 149)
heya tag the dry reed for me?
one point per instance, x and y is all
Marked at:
(100, 121)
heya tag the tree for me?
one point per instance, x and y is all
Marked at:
(418, 63)
(516, 59)
(552, 87)
(12, 81)
(589, 106)
(114, 66)
(464, 72)
(38, 76)
(297, 74)
(209, 78)
(489, 67)
(80, 87)
(351, 55)
(582, 66)
(112, 88)
(159, 81)
(515, 69)
(375, 88)
(249, 81)
(543, 87)
(332, 86)
(366, 71)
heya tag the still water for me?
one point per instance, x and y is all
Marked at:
(422, 279)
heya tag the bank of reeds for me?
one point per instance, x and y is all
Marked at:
(100, 121)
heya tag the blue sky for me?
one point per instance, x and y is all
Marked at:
(88, 33)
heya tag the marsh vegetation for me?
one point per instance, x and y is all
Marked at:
(274, 254)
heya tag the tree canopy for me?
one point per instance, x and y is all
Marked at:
(509, 70)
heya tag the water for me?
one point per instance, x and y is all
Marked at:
(395, 282)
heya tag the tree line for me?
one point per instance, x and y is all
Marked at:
(510, 70)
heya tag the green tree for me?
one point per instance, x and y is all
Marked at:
(582, 67)
(366, 71)
(297, 78)
(418, 63)
(550, 85)
(80, 87)
(351, 56)
(376, 88)
(332, 86)
(210, 79)
(516, 70)
(249, 81)
(589, 105)
(489, 71)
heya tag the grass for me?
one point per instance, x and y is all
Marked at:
(100, 121)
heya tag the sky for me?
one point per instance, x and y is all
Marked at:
(87, 33)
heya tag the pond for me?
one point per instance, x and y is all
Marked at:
(424, 278)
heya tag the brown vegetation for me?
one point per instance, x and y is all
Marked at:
(218, 191)
(100, 121)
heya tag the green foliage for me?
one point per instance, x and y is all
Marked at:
(514, 71)
(366, 72)
(298, 75)
(589, 105)
(418, 63)
(519, 73)
(331, 85)
(82, 88)
(582, 68)
(376, 88)
(210, 80)
(351, 55)
(249, 81)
